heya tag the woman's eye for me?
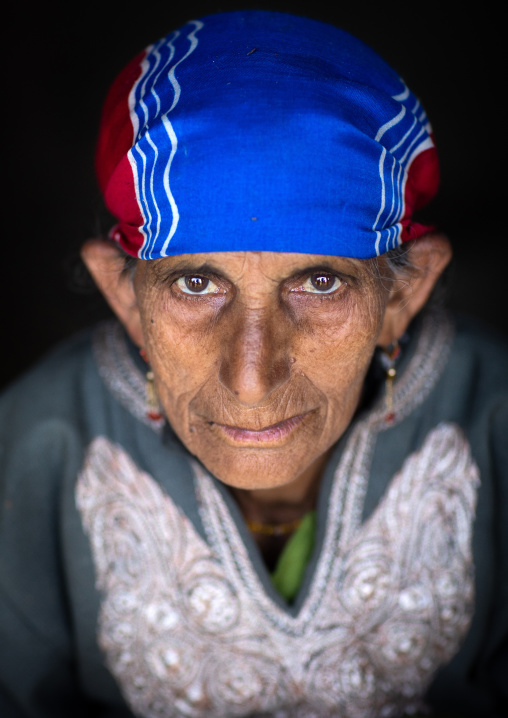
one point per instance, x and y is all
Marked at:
(195, 284)
(321, 283)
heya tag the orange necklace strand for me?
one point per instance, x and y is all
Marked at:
(274, 529)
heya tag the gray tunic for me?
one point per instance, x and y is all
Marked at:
(129, 584)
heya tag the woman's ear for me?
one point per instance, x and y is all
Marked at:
(411, 290)
(106, 264)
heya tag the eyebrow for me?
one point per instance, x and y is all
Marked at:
(317, 267)
(187, 267)
(210, 268)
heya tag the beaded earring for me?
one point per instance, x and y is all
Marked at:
(154, 412)
(389, 356)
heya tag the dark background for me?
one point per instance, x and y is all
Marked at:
(59, 60)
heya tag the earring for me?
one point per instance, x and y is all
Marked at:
(154, 409)
(389, 358)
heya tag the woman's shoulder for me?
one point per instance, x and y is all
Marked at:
(479, 359)
(479, 339)
(88, 386)
(42, 437)
(59, 402)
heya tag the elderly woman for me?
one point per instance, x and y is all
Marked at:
(276, 487)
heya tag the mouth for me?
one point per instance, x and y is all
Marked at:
(272, 435)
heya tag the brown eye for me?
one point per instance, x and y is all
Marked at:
(320, 283)
(196, 284)
(323, 282)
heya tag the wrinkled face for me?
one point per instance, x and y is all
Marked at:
(259, 357)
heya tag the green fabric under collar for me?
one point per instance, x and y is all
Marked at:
(288, 574)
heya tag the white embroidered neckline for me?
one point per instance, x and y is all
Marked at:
(187, 632)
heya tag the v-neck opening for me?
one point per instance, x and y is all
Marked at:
(423, 365)
(341, 495)
(307, 598)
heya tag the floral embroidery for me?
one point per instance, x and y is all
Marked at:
(188, 630)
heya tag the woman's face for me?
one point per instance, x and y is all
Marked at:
(259, 357)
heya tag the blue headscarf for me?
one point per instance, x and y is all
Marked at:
(256, 130)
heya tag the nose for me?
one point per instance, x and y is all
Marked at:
(255, 356)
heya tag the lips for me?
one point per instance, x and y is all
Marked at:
(272, 435)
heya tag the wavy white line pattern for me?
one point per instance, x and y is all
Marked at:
(394, 164)
(174, 208)
(145, 68)
(404, 94)
(391, 123)
(151, 176)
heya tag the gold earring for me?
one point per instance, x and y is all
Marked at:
(389, 358)
(153, 406)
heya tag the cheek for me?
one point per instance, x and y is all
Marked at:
(336, 347)
(183, 351)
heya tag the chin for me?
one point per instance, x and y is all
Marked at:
(247, 468)
(264, 459)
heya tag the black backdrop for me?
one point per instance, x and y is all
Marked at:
(59, 60)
